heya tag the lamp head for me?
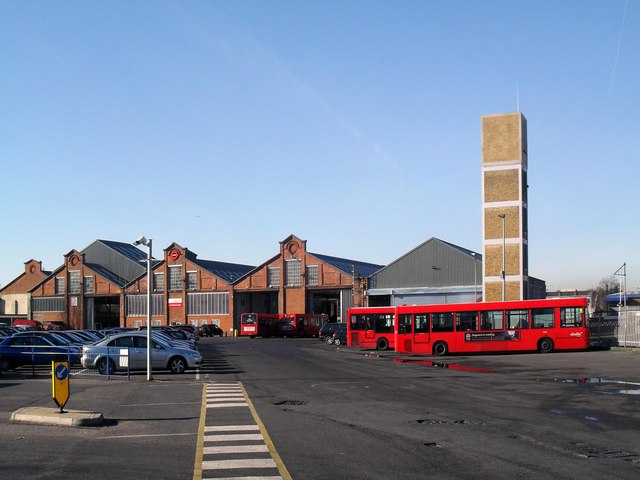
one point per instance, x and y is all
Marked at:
(140, 241)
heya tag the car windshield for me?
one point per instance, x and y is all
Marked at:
(58, 340)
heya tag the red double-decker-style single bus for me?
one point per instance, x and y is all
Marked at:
(528, 325)
(302, 324)
(371, 327)
(281, 325)
(259, 324)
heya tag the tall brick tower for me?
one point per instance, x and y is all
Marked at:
(504, 207)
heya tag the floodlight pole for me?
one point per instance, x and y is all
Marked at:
(149, 375)
(475, 276)
(148, 243)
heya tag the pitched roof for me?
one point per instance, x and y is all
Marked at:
(229, 272)
(107, 274)
(128, 250)
(361, 269)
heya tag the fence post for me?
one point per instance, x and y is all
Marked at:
(108, 362)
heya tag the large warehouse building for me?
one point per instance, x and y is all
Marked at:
(105, 284)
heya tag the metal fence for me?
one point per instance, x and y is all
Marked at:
(621, 330)
(112, 362)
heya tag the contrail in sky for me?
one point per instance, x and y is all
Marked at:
(615, 63)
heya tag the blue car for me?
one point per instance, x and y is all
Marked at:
(35, 350)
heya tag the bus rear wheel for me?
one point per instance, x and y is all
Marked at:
(545, 345)
(382, 344)
(440, 349)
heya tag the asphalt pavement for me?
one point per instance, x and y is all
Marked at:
(315, 411)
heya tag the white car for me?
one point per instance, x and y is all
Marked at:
(129, 351)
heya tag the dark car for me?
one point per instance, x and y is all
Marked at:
(340, 335)
(211, 331)
(326, 332)
(22, 350)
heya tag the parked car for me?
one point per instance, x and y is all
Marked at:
(56, 325)
(104, 355)
(326, 332)
(190, 330)
(160, 334)
(25, 324)
(339, 337)
(22, 349)
(211, 331)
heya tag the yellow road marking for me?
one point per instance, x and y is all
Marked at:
(197, 467)
(284, 473)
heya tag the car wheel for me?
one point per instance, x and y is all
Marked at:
(337, 342)
(5, 364)
(328, 340)
(103, 365)
(177, 365)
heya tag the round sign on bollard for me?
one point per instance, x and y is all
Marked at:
(60, 383)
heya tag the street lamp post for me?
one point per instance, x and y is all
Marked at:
(475, 276)
(504, 258)
(147, 243)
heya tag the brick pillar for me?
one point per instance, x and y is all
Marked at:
(504, 206)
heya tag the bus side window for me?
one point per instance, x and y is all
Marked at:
(517, 319)
(492, 320)
(467, 321)
(442, 322)
(422, 323)
(542, 318)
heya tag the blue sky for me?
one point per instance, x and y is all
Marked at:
(225, 126)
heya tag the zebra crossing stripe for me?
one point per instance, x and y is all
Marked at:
(236, 449)
(217, 441)
(277, 477)
(234, 438)
(231, 428)
(238, 464)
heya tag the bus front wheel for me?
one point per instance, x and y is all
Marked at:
(440, 349)
(545, 345)
(382, 344)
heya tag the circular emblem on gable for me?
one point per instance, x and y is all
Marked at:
(174, 254)
(74, 260)
(32, 269)
(293, 248)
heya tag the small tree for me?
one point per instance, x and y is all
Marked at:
(606, 286)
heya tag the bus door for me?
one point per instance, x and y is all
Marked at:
(421, 329)
(369, 325)
(404, 333)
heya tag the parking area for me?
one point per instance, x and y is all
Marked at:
(556, 406)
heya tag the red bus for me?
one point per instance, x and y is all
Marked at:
(529, 325)
(301, 324)
(371, 327)
(309, 324)
(259, 324)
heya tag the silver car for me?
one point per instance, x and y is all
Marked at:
(129, 350)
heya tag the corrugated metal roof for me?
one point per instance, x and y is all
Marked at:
(434, 263)
(112, 277)
(128, 250)
(229, 272)
(361, 269)
(121, 260)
